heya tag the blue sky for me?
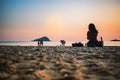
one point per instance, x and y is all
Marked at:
(14, 9)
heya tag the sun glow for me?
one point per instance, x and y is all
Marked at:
(59, 19)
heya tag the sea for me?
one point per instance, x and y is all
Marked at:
(52, 43)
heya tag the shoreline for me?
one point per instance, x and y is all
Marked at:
(50, 46)
(29, 43)
(59, 63)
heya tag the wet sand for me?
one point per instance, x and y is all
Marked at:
(59, 63)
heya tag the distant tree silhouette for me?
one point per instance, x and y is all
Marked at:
(63, 42)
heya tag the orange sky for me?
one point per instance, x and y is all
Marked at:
(59, 19)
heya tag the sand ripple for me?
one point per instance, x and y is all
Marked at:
(59, 63)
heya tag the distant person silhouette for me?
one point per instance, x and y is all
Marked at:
(101, 42)
(92, 36)
(38, 43)
(41, 43)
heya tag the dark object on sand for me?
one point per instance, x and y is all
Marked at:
(77, 44)
(115, 40)
(95, 44)
(92, 37)
(42, 39)
(63, 42)
(69, 78)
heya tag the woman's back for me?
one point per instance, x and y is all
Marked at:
(92, 36)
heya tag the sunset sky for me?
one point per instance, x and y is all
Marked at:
(58, 19)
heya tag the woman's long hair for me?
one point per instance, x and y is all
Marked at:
(92, 28)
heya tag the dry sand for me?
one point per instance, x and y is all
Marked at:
(59, 63)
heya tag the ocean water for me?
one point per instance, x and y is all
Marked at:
(51, 43)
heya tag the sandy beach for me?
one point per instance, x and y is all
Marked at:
(59, 63)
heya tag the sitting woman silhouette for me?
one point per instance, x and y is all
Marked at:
(92, 36)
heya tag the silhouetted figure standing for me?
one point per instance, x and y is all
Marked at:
(92, 36)
(38, 43)
(101, 42)
(41, 43)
